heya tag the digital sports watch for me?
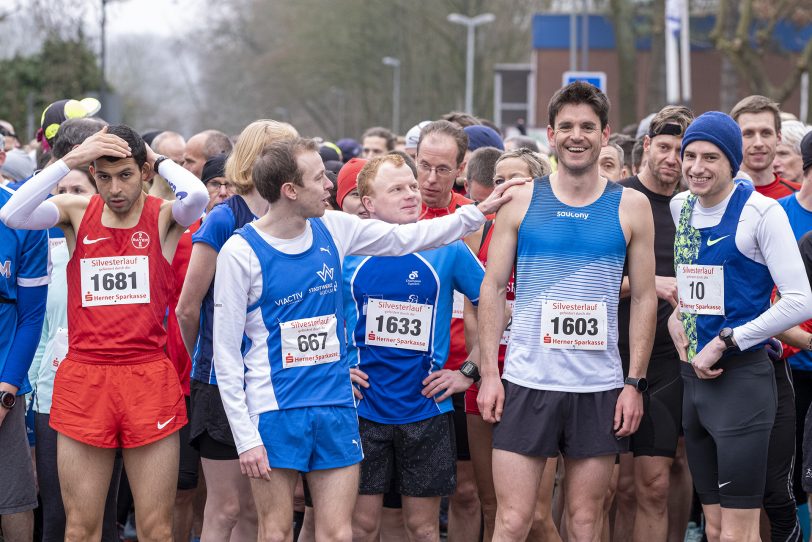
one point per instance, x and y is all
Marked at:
(470, 369)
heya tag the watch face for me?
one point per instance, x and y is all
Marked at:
(8, 400)
(642, 384)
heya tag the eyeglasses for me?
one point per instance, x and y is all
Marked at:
(214, 186)
(441, 171)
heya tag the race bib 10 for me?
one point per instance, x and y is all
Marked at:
(701, 289)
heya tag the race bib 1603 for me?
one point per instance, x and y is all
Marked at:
(579, 325)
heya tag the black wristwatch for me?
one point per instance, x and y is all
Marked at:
(726, 334)
(640, 384)
(158, 161)
(7, 400)
(470, 369)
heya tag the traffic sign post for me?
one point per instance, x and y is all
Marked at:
(597, 79)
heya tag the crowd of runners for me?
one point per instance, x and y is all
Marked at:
(602, 336)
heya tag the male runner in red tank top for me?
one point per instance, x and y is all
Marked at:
(116, 387)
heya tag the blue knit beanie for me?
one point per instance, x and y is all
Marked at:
(483, 136)
(722, 131)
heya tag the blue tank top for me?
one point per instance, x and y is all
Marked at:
(217, 227)
(426, 278)
(300, 293)
(747, 283)
(568, 273)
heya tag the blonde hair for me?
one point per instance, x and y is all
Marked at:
(370, 171)
(255, 137)
(537, 163)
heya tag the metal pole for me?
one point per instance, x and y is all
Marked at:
(394, 63)
(470, 23)
(103, 83)
(804, 109)
(685, 52)
(469, 71)
(673, 20)
(585, 36)
(573, 42)
(396, 98)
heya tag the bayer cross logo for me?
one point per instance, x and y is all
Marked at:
(140, 240)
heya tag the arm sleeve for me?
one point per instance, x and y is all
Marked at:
(27, 208)
(30, 313)
(778, 246)
(192, 196)
(376, 238)
(232, 284)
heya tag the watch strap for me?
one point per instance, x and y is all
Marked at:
(158, 162)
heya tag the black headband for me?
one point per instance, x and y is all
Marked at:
(666, 129)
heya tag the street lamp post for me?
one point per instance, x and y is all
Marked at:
(395, 64)
(471, 23)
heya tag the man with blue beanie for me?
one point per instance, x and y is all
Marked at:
(732, 245)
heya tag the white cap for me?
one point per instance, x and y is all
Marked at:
(413, 135)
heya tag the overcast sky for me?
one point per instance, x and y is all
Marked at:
(164, 17)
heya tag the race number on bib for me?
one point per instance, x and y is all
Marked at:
(398, 324)
(579, 325)
(701, 289)
(506, 333)
(117, 280)
(309, 341)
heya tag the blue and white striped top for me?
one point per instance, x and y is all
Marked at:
(567, 254)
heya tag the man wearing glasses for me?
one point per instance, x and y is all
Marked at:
(440, 160)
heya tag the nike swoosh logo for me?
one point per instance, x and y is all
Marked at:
(87, 241)
(723, 485)
(712, 242)
(162, 425)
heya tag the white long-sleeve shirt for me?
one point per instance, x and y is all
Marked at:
(238, 284)
(765, 236)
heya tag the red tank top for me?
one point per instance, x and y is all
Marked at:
(456, 348)
(175, 349)
(119, 285)
(510, 291)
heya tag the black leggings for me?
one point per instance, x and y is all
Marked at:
(728, 421)
(53, 511)
(779, 498)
